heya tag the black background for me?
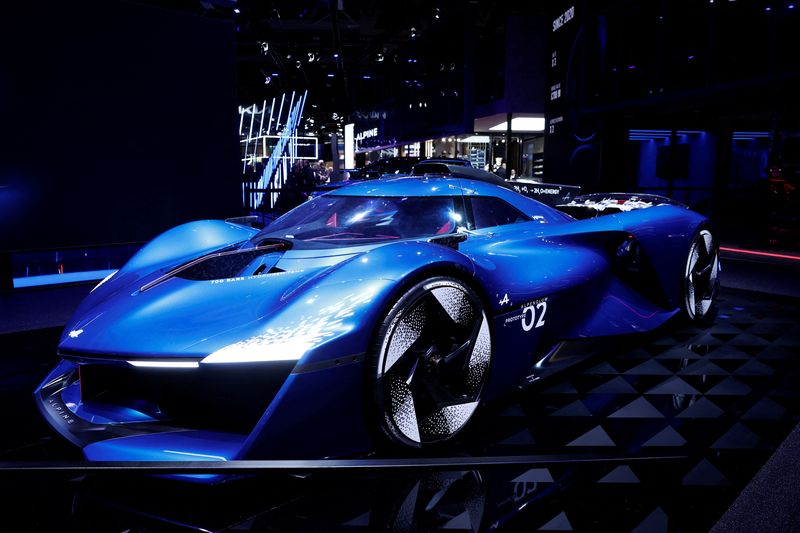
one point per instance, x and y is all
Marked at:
(117, 121)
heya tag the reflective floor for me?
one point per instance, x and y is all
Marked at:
(674, 425)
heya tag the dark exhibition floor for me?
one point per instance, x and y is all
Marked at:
(655, 433)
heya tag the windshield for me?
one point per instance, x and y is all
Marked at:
(351, 220)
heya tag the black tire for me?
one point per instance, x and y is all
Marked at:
(429, 363)
(701, 277)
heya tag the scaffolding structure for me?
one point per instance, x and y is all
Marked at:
(270, 146)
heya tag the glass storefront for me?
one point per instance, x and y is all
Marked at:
(485, 151)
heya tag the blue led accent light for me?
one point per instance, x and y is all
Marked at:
(58, 279)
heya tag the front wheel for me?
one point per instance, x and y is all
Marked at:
(431, 360)
(701, 280)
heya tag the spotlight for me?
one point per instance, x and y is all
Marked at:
(267, 80)
(436, 13)
(298, 64)
(413, 32)
(237, 10)
(379, 57)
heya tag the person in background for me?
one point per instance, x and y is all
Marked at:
(513, 175)
(297, 188)
(321, 172)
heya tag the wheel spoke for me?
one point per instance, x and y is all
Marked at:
(479, 360)
(693, 259)
(431, 394)
(708, 241)
(455, 304)
(715, 269)
(703, 306)
(448, 419)
(405, 334)
(403, 410)
(465, 348)
(412, 372)
(458, 352)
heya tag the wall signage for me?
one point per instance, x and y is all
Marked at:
(366, 134)
(563, 18)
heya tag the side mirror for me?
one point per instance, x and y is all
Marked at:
(451, 240)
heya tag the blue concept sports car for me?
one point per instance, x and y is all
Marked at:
(382, 312)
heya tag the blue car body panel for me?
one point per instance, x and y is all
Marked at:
(194, 446)
(310, 324)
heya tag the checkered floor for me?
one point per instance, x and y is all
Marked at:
(724, 397)
(690, 415)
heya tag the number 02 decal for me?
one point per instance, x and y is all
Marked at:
(532, 310)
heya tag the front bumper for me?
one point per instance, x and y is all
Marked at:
(116, 411)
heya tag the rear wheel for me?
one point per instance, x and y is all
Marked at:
(430, 361)
(701, 280)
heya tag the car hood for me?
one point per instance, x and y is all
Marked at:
(187, 318)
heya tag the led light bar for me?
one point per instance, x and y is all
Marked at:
(763, 254)
(164, 364)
